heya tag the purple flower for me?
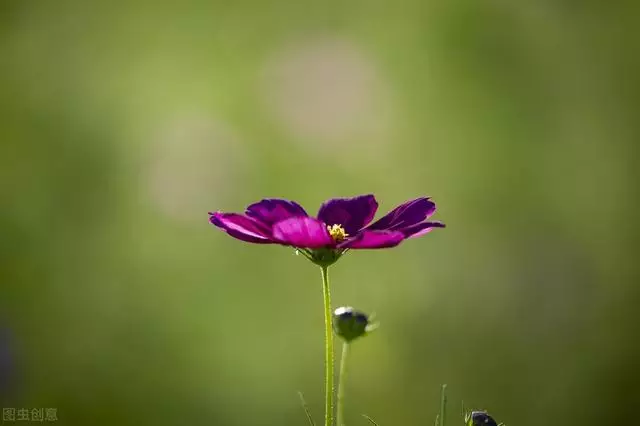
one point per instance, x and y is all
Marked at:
(341, 224)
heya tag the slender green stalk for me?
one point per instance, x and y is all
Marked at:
(305, 406)
(342, 383)
(443, 405)
(328, 345)
(370, 420)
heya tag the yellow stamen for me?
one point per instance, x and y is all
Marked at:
(337, 232)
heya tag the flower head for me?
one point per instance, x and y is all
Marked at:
(341, 224)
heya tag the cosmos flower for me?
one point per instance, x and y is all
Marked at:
(341, 224)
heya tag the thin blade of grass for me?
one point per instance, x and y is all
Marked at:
(466, 415)
(370, 420)
(443, 405)
(305, 406)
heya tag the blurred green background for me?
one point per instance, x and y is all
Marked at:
(123, 123)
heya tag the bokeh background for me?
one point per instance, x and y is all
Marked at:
(123, 123)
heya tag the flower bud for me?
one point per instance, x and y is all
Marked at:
(479, 418)
(350, 324)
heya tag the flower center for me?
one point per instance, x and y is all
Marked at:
(337, 232)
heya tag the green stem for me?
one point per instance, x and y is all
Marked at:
(328, 345)
(342, 382)
(443, 405)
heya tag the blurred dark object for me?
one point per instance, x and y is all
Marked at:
(480, 418)
(6, 363)
(349, 324)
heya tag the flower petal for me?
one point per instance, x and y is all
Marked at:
(303, 232)
(420, 229)
(405, 215)
(351, 213)
(242, 227)
(272, 210)
(374, 239)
